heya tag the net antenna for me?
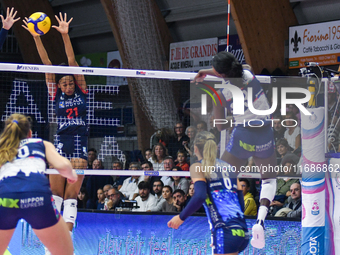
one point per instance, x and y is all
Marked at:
(227, 49)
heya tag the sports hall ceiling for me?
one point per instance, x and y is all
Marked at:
(186, 19)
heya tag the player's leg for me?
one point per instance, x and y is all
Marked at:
(56, 238)
(71, 193)
(5, 238)
(57, 183)
(268, 190)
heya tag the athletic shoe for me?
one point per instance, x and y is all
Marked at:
(258, 240)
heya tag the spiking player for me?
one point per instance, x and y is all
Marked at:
(226, 66)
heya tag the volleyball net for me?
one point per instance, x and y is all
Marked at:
(161, 98)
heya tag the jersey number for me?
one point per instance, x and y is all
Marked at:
(227, 181)
(23, 152)
(70, 111)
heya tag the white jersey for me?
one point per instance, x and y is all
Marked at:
(260, 101)
(26, 171)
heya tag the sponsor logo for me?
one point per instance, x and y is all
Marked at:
(140, 73)
(80, 171)
(62, 104)
(238, 232)
(295, 40)
(31, 202)
(313, 246)
(151, 173)
(9, 202)
(32, 68)
(315, 208)
(87, 71)
(247, 147)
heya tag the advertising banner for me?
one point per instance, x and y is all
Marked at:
(192, 55)
(318, 43)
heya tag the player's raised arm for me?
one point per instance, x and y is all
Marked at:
(63, 29)
(50, 77)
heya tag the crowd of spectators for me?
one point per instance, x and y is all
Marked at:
(172, 193)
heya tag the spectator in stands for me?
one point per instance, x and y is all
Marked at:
(188, 146)
(182, 160)
(179, 199)
(82, 198)
(146, 201)
(147, 166)
(283, 185)
(106, 189)
(168, 165)
(201, 126)
(147, 154)
(290, 163)
(168, 206)
(191, 190)
(282, 148)
(293, 133)
(293, 208)
(101, 199)
(179, 182)
(130, 185)
(190, 194)
(295, 110)
(94, 182)
(115, 199)
(91, 156)
(279, 130)
(157, 188)
(161, 136)
(159, 152)
(178, 140)
(118, 179)
(250, 207)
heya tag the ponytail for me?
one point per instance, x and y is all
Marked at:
(205, 142)
(17, 127)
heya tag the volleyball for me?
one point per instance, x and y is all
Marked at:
(39, 23)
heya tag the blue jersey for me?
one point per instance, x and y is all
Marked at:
(26, 171)
(71, 112)
(222, 204)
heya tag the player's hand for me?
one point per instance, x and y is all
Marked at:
(25, 20)
(10, 19)
(199, 77)
(63, 27)
(175, 222)
(74, 177)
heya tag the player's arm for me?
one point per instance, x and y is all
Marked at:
(202, 74)
(61, 164)
(63, 28)
(200, 186)
(50, 77)
(7, 24)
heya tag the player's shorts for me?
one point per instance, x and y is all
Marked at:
(71, 146)
(246, 142)
(230, 239)
(37, 208)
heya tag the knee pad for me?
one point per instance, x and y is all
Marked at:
(70, 210)
(58, 201)
(268, 189)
